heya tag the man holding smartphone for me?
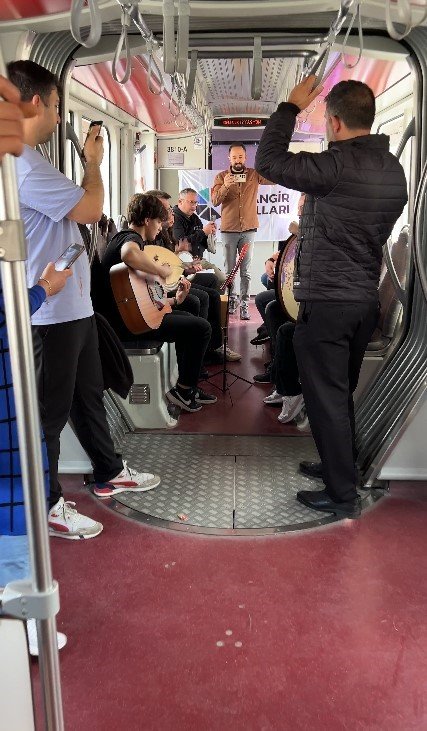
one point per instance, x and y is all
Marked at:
(65, 335)
(236, 189)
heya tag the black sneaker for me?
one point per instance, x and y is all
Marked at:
(263, 377)
(188, 404)
(260, 339)
(202, 397)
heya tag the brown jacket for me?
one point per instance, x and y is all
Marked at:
(239, 202)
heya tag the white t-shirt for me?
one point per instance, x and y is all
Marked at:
(45, 198)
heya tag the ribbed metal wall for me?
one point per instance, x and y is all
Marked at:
(384, 412)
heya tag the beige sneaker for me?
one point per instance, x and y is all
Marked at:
(231, 355)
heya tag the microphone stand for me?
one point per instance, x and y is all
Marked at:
(228, 284)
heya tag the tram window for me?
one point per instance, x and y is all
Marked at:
(395, 128)
(105, 165)
(140, 164)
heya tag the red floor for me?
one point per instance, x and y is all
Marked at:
(245, 415)
(321, 631)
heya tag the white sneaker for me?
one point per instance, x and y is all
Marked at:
(129, 480)
(66, 522)
(292, 405)
(273, 398)
(33, 644)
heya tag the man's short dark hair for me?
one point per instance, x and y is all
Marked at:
(353, 102)
(32, 79)
(143, 206)
(185, 192)
(236, 144)
(158, 194)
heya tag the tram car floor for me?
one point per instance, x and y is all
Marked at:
(243, 624)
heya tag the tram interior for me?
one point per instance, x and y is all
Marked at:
(232, 469)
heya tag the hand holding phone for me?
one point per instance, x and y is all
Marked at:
(53, 281)
(93, 150)
(69, 256)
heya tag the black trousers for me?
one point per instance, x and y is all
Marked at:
(285, 373)
(70, 384)
(193, 304)
(330, 341)
(205, 302)
(191, 336)
(274, 318)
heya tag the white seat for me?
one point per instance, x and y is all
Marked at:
(155, 371)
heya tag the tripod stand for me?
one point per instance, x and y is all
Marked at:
(228, 284)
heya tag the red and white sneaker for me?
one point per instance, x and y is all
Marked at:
(128, 480)
(66, 522)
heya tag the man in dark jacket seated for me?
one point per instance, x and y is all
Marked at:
(356, 191)
(189, 230)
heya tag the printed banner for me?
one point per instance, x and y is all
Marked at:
(276, 206)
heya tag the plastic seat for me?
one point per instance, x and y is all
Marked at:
(155, 372)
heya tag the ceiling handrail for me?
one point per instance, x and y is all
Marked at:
(95, 23)
(123, 41)
(318, 65)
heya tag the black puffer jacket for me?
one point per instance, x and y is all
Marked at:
(356, 191)
(190, 228)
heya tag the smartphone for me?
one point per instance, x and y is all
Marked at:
(69, 256)
(239, 177)
(95, 124)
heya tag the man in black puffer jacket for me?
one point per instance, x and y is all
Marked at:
(356, 191)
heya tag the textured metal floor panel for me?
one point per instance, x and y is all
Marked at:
(221, 483)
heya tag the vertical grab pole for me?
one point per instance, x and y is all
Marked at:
(12, 257)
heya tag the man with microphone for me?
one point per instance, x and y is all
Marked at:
(236, 190)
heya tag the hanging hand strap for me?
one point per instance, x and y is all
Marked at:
(95, 22)
(357, 12)
(183, 36)
(123, 41)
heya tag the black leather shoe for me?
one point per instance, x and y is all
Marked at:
(311, 469)
(204, 374)
(260, 339)
(320, 500)
(263, 377)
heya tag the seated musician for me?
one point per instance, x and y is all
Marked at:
(188, 229)
(190, 334)
(204, 285)
(269, 308)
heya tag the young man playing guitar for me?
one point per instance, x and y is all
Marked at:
(190, 334)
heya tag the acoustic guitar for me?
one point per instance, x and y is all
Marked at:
(284, 278)
(141, 299)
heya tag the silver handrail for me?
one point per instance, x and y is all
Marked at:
(13, 255)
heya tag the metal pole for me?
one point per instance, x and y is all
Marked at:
(12, 267)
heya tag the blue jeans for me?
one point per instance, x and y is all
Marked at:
(233, 242)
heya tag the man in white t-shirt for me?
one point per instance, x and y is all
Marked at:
(65, 334)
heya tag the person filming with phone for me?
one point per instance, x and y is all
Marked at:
(236, 190)
(67, 360)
